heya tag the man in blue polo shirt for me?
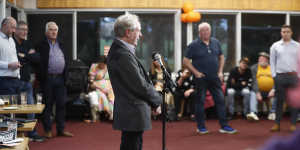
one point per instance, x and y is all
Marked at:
(205, 60)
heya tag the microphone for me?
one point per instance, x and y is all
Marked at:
(157, 57)
(170, 83)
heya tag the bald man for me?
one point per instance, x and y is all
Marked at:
(9, 63)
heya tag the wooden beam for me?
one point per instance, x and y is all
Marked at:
(275, 5)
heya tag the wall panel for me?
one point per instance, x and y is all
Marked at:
(281, 5)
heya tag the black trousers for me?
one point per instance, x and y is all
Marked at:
(179, 96)
(132, 140)
(54, 93)
(282, 83)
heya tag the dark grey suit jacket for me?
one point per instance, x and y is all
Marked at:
(133, 89)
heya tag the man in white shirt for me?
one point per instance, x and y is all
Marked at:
(9, 63)
(283, 61)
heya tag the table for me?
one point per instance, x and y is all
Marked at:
(23, 109)
(22, 146)
(29, 126)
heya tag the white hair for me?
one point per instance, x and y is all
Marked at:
(125, 22)
(202, 25)
(50, 23)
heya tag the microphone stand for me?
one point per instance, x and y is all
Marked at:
(169, 85)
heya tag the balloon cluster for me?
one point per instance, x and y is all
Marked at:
(189, 15)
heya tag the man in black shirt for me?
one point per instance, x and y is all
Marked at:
(27, 57)
(239, 83)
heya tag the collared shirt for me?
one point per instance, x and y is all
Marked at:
(56, 59)
(8, 55)
(284, 57)
(205, 58)
(129, 46)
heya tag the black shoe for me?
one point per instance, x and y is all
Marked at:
(37, 138)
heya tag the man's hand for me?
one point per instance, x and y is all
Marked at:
(188, 92)
(22, 55)
(271, 93)
(244, 83)
(199, 74)
(14, 65)
(221, 76)
(157, 111)
(258, 97)
(31, 51)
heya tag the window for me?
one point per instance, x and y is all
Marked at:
(223, 29)
(158, 35)
(37, 24)
(295, 24)
(94, 32)
(259, 32)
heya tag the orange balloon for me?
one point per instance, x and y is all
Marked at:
(187, 7)
(193, 17)
(183, 17)
(197, 17)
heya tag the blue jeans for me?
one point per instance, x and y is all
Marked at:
(16, 86)
(214, 87)
(253, 103)
(30, 101)
(245, 93)
(274, 103)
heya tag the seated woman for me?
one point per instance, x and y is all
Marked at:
(184, 93)
(101, 97)
(157, 77)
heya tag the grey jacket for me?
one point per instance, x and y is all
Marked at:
(133, 89)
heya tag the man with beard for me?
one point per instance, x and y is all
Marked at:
(262, 87)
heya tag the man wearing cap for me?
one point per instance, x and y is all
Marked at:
(284, 62)
(262, 87)
(239, 84)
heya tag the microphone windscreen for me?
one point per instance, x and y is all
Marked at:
(156, 56)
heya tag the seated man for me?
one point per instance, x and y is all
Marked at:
(184, 93)
(239, 84)
(262, 86)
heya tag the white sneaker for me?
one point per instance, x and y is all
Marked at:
(272, 116)
(252, 116)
